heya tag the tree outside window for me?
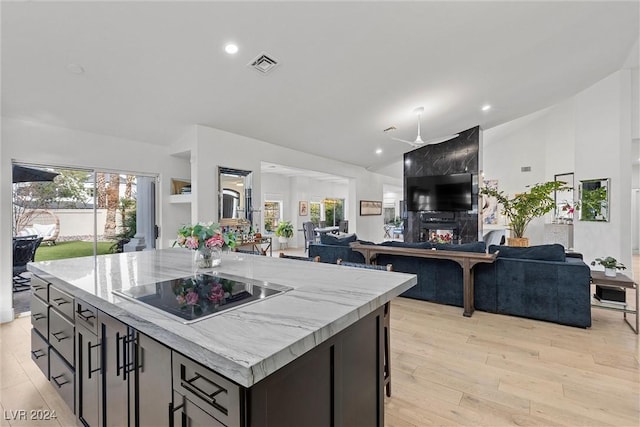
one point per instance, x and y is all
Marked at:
(333, 211)
(314, 212)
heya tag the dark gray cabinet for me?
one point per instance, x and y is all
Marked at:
(114, 339)
(123, 376)
(186, 413)
(53, 336)
(88, 376)
(150, 382)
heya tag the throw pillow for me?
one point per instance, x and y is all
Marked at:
(554, 252)
(328, 239)
(45, 230)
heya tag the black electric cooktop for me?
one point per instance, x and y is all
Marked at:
(200, 296)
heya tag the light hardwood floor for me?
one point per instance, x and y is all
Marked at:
(447, 370)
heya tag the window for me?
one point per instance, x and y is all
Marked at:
(314, 211)
(272, 214)
(333, 211)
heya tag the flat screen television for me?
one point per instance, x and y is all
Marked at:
(439, 193)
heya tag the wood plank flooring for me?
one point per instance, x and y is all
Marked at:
(447, 370)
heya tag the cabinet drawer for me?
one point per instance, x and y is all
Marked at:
(61, 335)
(214, 394)
(86, 315)
(40, 288)
(61, 301)
(40, 315)
(62, 378)
(40, 352)
(189, 414)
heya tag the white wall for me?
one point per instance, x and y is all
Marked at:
(294, 189)
(603, 150)
(215, 147)
(544, 141)
(49, 145)
(589, 134)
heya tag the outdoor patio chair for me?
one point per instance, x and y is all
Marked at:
(24, 251)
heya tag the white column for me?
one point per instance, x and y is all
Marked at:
(145, 231)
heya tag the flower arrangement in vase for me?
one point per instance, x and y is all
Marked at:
(610, 265)
(207, 241)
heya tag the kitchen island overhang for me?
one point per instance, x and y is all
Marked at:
(248, 343)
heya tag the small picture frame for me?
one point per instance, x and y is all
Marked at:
(370, 207)
(303, 208)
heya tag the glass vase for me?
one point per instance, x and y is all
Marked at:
(206, 258)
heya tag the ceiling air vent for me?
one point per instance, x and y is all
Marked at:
(263, 63)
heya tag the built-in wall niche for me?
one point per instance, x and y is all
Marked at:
(235, 201)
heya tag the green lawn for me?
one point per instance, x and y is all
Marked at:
(71, 249)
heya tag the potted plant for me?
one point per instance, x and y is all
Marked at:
(284, 231)
(524, 207)
(610, 265)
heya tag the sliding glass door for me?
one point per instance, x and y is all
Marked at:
(80, 212)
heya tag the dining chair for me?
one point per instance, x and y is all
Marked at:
(24, 251)
(386, 321)
(343, 226)
(309, 234)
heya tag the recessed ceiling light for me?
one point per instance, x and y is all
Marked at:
(75, 68)
(379, 151)
(231, 48)
(486, 107)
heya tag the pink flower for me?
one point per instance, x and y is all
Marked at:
(215, 241)
(191, 298)
(216, 294)
(192, 242)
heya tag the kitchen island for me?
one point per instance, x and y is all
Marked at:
(311, 355)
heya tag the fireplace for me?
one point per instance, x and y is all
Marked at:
(439, 232)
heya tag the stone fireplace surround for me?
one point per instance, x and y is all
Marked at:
(459, 155)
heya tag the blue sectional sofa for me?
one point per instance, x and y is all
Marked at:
(538, 282)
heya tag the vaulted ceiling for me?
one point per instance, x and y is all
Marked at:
(347, 70)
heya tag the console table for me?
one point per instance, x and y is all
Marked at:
(620, 281)
(466, 260)
(256, 245)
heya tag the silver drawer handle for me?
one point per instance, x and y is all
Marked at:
(55, 380)
(55, 334)
(60, 301)
(38, 316)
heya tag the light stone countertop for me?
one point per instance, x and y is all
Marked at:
(247, 343)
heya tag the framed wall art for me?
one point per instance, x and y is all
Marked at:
(303, 208)
(370, 207)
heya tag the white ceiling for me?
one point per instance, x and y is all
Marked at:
(347, 70)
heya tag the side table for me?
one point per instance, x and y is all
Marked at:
(620, 281)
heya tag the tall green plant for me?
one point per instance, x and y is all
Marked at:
(524, 207)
